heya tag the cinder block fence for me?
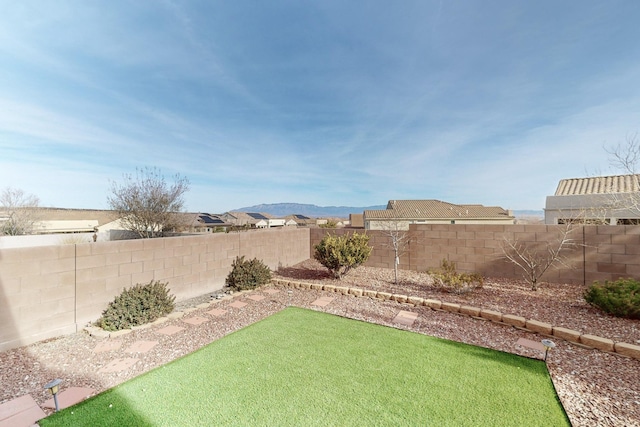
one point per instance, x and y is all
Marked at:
(53, 290)
(49, 291)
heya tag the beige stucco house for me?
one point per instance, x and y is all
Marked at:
(402, 213)
(610, 200)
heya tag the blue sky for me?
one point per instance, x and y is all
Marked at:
(326, 102)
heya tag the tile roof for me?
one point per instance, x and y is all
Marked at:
(425, 209)
(598, 185)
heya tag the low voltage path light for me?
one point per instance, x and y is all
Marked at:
(548, 345)
(290, 293)
(54, 387)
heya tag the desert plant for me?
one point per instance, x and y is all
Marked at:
(340, 254)
(535, 258)
(137, 305)
(620, 298)
(246, 275)
(330, 224)
(447, 278)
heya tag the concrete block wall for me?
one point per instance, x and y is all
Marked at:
(37, 294)
(53, 290)
(598, 252)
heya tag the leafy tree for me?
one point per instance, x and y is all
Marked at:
(19, 212)
(146, 204)
(340, 254)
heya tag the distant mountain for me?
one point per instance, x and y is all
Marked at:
(313, 211)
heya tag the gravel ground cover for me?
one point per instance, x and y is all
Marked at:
(595, 388)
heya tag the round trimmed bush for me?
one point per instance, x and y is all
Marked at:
(620, 298)
(247, 275)
(136, 306)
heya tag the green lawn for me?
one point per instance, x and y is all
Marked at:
(303, 368)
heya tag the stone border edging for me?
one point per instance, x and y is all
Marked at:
(569, 335)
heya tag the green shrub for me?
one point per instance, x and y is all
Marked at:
(247, 274)
(343, 253)
(137, 305)
(620, 298)
(447, 278)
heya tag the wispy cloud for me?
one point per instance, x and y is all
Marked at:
(328, 103)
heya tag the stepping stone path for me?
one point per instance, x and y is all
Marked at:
(107, 345)
(322, 301)
(119, 365)
(196, 320)
(170, 330)
(141, 346)
(238, 304)
(256, 297)
(216, 312)
(69, 397)
(405, 318)
(535, 345)
(21, 411)
(271, 291)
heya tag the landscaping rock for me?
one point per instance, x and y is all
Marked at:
(566, 334)
(416, 301)
(628, 349)
(119, 333)
(384, 296)
(453, 308)
(342, 290)
(540, 327)
(512, 320)
(470, 311)
(399, 298)
(356, 292)
(600, 343)
(433, 303)
(370, 293)
(492, 315)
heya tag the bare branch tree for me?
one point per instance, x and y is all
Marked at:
(535, 258)
(145, 203)
(398, 242)
(626, 157)
(19, 212)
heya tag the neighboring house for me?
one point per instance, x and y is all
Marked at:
(65, 226)
(402, 213)
(59, 220)
(207, 223)
(252, 219)
(356, 220)
(595, 200)
(300, 220)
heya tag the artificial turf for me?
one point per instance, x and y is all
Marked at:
(304, 368)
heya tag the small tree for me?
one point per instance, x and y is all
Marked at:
(20, 211)
(626, 157)
(398, 242)
(535, 258)
(145, 203)
(340, 254)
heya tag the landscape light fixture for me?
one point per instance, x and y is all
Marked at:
(548, 345)
(290, 293)
(54, 387)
